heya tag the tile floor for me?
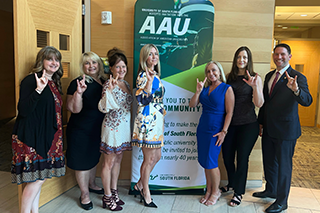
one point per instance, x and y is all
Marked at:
(301, 200)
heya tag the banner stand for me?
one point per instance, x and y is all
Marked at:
(183, 33)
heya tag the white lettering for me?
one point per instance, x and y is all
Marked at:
(148, 25)
(184, 29)
(165, 26)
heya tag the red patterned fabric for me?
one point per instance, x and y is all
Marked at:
(27, 165)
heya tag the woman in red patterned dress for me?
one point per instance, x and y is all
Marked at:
(37, 134)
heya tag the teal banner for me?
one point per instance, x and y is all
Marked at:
(182, 30)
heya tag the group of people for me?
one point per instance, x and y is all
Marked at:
(100, 107)
(228, 120)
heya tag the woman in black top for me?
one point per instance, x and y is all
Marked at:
(244, 129)
(84, 126)
(37, 134)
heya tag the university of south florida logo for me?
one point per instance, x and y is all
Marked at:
(153, 177)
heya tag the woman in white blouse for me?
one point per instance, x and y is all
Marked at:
(115, 135)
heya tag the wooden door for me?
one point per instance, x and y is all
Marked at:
(57, 23)
(306, 59)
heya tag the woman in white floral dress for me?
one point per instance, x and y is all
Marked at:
(149, 122)
(115, 134)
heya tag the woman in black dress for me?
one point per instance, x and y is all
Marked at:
(84, 126)
(37, 134)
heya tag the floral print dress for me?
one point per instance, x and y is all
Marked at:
(115, 132)
(149, 122)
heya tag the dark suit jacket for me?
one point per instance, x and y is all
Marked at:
(279, 113)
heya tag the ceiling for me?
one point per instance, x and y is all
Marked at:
(292, 21)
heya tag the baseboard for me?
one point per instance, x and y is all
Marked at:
(250, 183)
(124, 182)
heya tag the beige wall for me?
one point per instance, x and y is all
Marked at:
(315, 32)
(237, 23)
(245, 23)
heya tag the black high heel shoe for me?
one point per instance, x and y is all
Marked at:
(151, 204)
(136, 190)
(87, 206)
(99, 192)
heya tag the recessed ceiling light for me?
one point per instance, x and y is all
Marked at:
(304, 15)
(284, 28)
(279, 25)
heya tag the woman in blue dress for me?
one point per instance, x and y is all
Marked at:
(217, 101)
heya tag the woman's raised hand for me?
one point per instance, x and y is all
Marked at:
(200, 85)
(41, 82)
(252, 80)
(81, 85)
(150, 75)
(113, 82)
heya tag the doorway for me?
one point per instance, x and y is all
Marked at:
(306, 59)
(7, 85)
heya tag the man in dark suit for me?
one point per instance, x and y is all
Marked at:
(284, 88)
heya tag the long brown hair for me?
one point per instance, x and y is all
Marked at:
(49, 52)
(232, 76)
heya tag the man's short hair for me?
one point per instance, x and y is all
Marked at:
(283, 45)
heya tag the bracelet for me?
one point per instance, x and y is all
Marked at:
(224, 131)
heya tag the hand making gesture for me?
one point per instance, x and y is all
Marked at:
(41, 82)
(292, 82)
(150, 75)
(81, 85)
(200, 85)
(113, 82)
(252, 80)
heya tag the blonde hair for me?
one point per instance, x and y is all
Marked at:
(222, 75)
(144, 54)
(94, 57)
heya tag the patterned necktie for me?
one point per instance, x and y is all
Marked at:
(274, 82)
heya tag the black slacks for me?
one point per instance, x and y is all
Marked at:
(277, 163)
(240, 140)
